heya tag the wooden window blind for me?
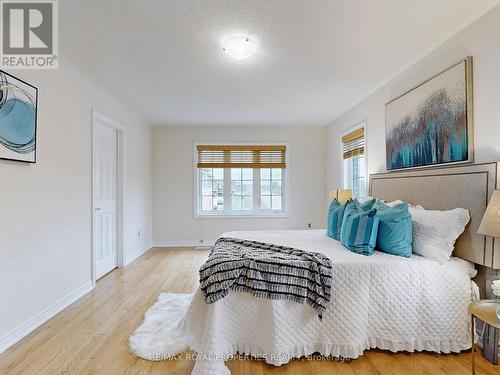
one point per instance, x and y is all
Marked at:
(354, 143)
(241, 156)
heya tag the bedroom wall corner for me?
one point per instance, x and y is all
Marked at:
(480, 40)
(173, 181)
(46, 211)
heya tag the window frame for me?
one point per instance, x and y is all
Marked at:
(362, 124)
(283, 213)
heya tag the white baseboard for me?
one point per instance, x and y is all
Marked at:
(192, 243)
(130, 258)
(26, 328)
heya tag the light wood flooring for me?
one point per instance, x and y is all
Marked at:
(90, 337)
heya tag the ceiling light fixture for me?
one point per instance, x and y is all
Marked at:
(240, 46)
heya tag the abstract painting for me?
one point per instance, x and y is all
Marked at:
(18, 109)
(432, 124)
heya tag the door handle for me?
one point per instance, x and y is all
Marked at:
(98, 208)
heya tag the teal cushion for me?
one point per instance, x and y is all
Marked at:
(368, 205)
(335, 217)
(359, 229)
(395, 233)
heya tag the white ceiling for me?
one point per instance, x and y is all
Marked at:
(317, 57)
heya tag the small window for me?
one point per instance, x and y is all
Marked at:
(271, 189)
(241, 189)
(241, 180)
(212, 189)
(355, 162)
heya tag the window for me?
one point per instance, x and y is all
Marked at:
(241, 180)
(271, 189)
(212, 189)
(241, 189)
(355, 162)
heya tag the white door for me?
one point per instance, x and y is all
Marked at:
(105, 228)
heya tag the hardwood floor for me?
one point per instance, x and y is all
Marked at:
(80, 341)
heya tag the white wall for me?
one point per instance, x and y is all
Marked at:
(480, 40)
(173, 180)
(45, 209)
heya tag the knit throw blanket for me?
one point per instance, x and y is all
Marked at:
(267, 271)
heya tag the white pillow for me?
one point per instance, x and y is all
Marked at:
(435, 232)
(399, 201)
(393, 203)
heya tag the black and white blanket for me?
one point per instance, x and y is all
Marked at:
(267, 271)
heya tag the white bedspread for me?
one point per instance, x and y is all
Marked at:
(381, 301)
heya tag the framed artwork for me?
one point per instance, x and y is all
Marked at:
(18, 114)
(432, 124)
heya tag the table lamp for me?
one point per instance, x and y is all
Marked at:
(490, 226)
(342, 195)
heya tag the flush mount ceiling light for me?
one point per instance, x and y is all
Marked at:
(240, 46)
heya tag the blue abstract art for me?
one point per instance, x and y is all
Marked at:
(432, 124)
(18, 114)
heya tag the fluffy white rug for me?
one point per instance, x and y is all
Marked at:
(160, 336)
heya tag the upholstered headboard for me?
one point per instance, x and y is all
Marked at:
(469, 186)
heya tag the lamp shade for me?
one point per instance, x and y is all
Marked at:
(342, 195)
(490, 225)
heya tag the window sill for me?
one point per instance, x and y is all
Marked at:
(283, 215)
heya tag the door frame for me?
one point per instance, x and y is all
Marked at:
(120, 208)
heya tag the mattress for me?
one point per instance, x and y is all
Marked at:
(381, 301)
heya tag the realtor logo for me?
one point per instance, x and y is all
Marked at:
(29, 34)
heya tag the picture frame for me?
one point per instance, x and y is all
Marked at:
(18, 119)
(432, 124)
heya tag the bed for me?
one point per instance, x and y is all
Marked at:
(382, 301)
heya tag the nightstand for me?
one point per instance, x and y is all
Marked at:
(486, 311)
